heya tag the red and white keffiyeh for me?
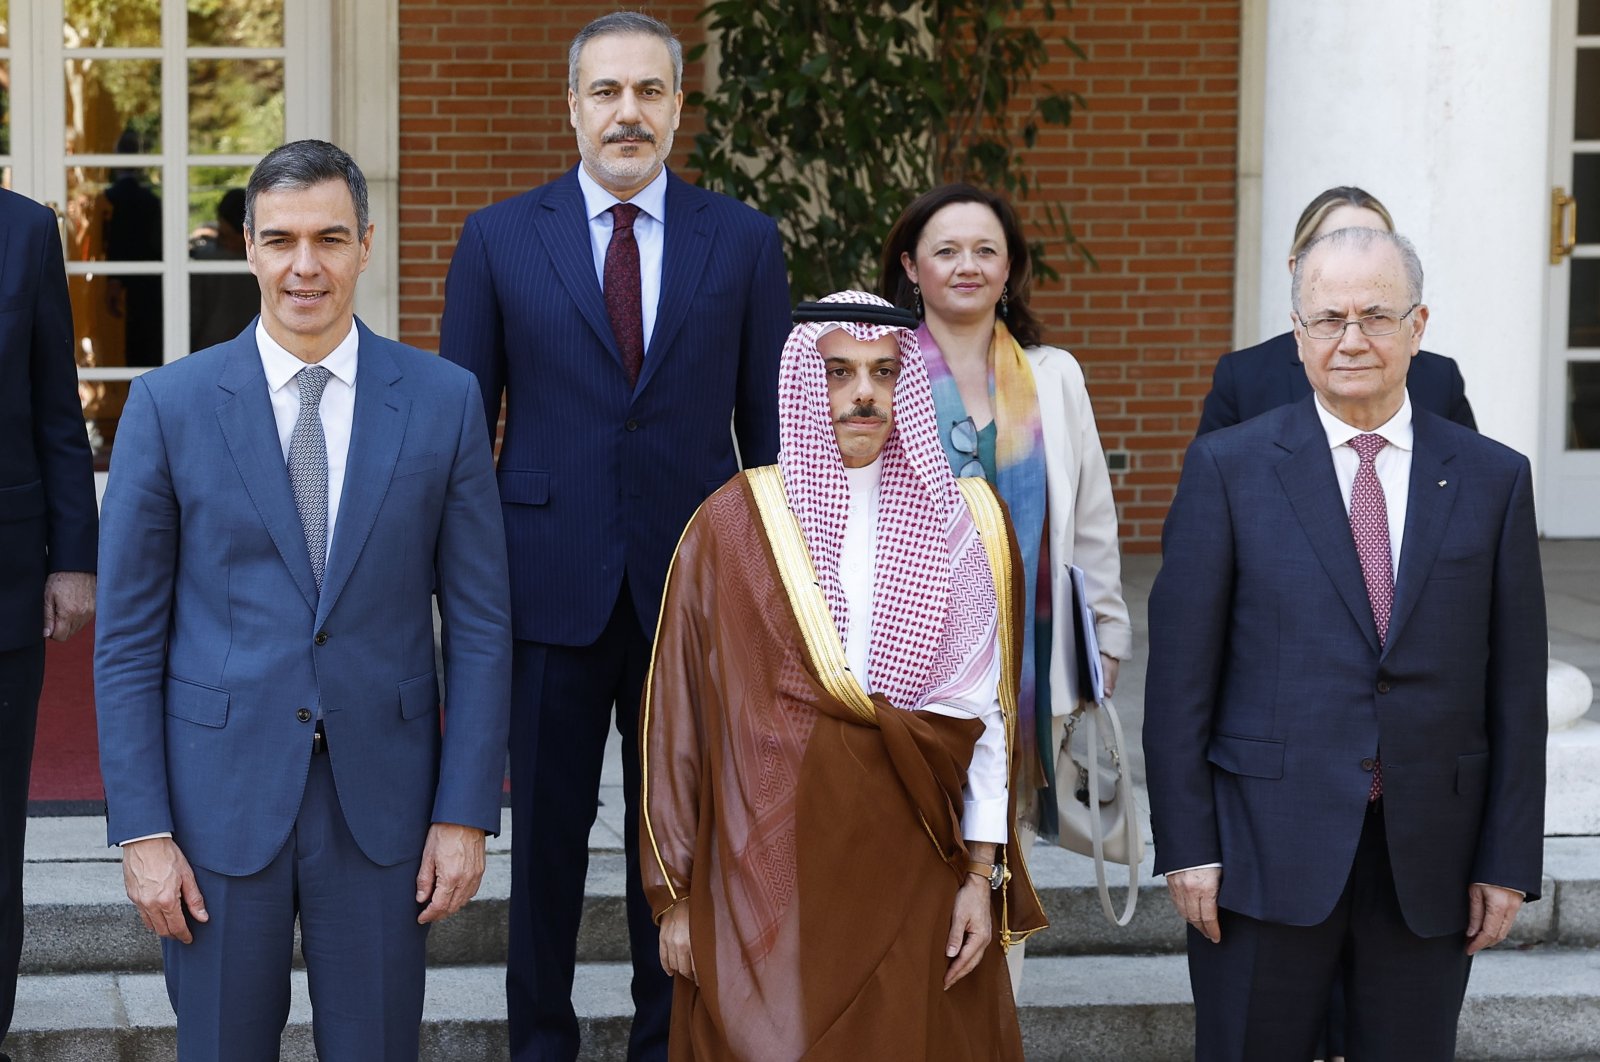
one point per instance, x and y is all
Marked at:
(933, 601)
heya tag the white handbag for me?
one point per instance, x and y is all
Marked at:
(1098, 814)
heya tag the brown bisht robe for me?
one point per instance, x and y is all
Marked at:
(815, 833)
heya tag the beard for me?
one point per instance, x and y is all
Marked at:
(613, 169)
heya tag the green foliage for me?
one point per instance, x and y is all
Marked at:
(832, 115)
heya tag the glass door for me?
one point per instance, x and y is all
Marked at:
(1570, 504)
(150, 116)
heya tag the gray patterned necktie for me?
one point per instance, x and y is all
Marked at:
(308, 466)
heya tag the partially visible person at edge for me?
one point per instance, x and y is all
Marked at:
(826, 810)
(48, 524)
(1247, 383)
(626, 317)
(1017, 413)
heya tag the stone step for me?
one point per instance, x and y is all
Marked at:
(79, 919)
(1528, 1004)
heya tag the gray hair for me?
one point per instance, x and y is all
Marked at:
(302, 164)
(625, 22)
(1361, 240)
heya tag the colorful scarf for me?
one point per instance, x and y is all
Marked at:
(933, 600)
(1020, 479)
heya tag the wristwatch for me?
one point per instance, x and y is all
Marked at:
(994, 872)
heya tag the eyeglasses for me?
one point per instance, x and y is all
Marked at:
(1372, 325)
(964, 440)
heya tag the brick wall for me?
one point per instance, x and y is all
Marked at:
(1147, 171)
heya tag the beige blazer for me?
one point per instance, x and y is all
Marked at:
(1083, 518)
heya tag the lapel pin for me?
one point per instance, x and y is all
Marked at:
(1442, 482)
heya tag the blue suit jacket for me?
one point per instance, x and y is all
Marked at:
(599, 479)
(1268, 693)
(212, 636)
(1247, 383)
(47, 506)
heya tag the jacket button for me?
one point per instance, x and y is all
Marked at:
(303, 714)
(1383, 685)
(1366, 764)
(321, 638)
(632, 425)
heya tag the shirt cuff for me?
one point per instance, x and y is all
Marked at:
(1507, 888)
(1202, 866)
(985, 820)
(146, 837)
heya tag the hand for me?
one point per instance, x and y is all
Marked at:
(161, 883)
(1490, 912)
(1108, 672)
(68, 603)
(971, 928)
(1194, 894)
(676, 958)
(451, 871)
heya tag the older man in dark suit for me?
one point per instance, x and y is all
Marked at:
(1345, 711)
(47, 522)
(626, 317)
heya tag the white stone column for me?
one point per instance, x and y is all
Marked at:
(1440, 108)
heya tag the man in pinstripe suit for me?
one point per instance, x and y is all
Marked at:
(625, 317)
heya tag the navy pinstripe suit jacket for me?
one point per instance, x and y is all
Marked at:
(597, 480)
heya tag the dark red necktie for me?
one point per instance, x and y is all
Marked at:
(1369, 524)
(624, 304)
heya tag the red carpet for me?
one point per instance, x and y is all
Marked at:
(66, 754)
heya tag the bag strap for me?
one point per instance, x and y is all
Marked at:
(1130, 810)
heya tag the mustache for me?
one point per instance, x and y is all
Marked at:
(863, 412)
(628, 132)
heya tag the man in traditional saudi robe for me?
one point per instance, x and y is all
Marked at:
(827, 828)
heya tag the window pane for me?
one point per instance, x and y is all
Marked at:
(1586, 189)
(235, 105)
(112, 24)
(102, 406)
(1583, 305)
(113, 106)
(1586, 105)
(5, 24)
(117, 319)
(1583, 410)
(221, 302)
(1589, 16)
(114, 215)
(5, 107)
(236, 23)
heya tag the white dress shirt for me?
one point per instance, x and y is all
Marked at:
(338, 405)
(649, 232)
(985, 799)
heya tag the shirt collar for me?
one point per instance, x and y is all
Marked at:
(865, 479)
(1396, 431)
(280, 365)
(652, 198)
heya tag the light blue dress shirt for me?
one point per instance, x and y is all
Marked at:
(649, 231)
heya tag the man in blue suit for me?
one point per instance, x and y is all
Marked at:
(627, 318)
(1345, 712)
(47, 523)
(282, 511)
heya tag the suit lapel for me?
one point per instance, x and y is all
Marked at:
(683, 260)
(563, 225)
(1429, 500)
(1313, 491)
(378, 428)
(251, 433)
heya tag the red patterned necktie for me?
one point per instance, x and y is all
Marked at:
(1369, 524)
(624, 304)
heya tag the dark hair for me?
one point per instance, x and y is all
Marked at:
(894, 285)
(626, 22)
(302, 164)
(1317, 211)
(231, 208)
